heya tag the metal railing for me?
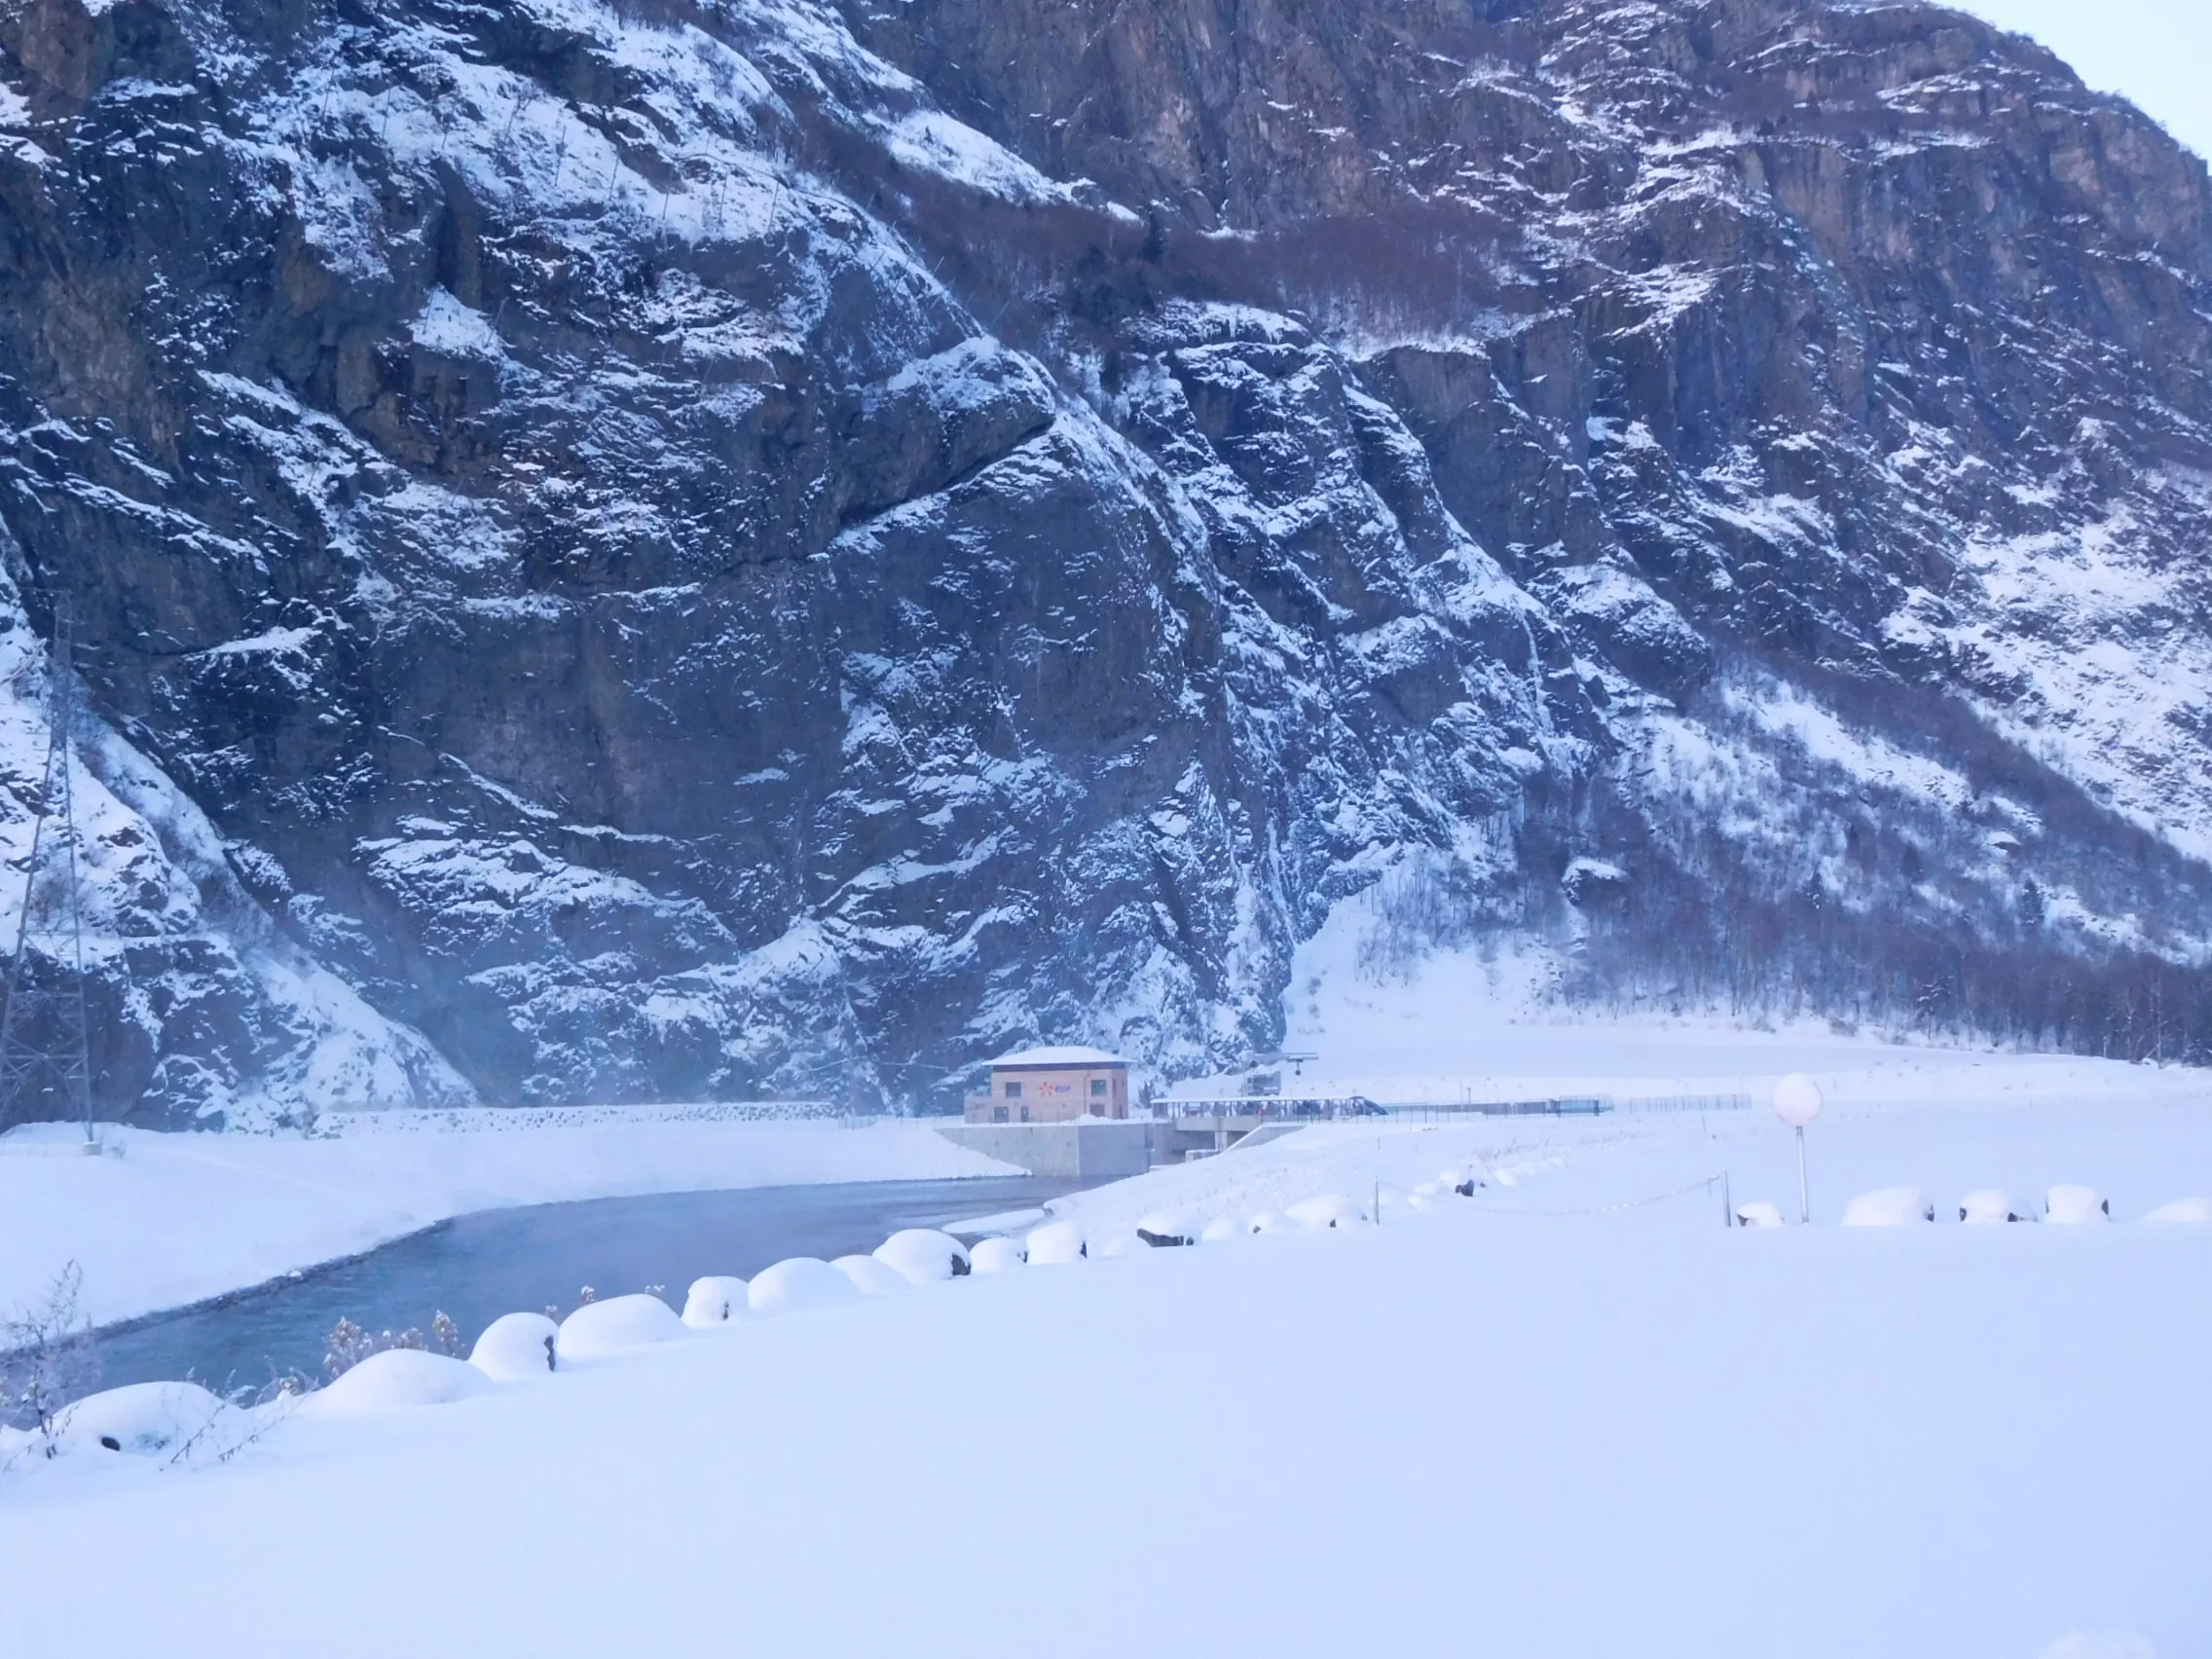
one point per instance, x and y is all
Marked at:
(1568, 1106)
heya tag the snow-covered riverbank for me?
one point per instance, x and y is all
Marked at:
(1543, 1419)
(177, 1218)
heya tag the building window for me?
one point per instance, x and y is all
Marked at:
(998, 1114)
(1013, 1091)
(1026, 1114)
(1098, 1089)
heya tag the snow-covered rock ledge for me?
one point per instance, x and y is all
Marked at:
(180, 1218)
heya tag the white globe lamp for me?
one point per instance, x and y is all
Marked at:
(1797, 1102)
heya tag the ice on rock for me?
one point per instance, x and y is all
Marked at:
(1889, 1206)
(1326, 1210)
(712, 1301)
(996, 1256)
(142, 1419)
(2183, 1209)
(1988, 1207)
(1056, 1242)
(617, 1323)
(2071, 1206)
(798, 1281)
(873, 1275)
(396, 1378)
(515, 1346)
(1758, 1213)
(1220, 1231)
(922, 1255)
(1163, 1229)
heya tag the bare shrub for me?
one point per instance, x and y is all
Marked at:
(46, 1359)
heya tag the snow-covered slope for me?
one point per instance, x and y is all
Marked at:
(689, 548)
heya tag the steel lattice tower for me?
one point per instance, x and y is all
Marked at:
(46, 1067)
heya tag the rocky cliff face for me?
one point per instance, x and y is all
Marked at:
(678, 548)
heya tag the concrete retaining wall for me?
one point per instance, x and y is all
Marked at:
(1076, 1151)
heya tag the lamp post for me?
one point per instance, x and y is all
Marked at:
(1797, 1102)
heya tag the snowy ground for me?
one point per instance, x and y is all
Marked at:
(1569, 1415)
(1460, 1027)
(179, 1217)
(1528, 1422)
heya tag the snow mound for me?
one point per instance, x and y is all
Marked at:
(1267, 1220)
(922, 1255)
(873, 1275)
(798, 1281)
(1163, 1229)
(617, 1323)
(1988, 1207)
(142, 1419)
(1464, 1182)
(395, 1379)
(1326, 1210)
(1056, 1242)
(1220, 1231)
(2183, 1209)
(996, 1256)
(1121, 1244)
(515, 1346)
(1888, 1206)
(2073, 1207)
(712, 1301)
(1758, 1213)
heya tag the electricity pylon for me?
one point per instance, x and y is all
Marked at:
(45, 1063)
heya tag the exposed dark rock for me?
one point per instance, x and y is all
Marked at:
(704, 549)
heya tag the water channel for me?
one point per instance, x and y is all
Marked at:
(477, 1266)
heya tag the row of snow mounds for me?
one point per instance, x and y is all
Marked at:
(2065, 1206)
(1058, 1242)
(154, 1418)
(175, 1422)
(1061, 1241)
(914, 1256)
(149, 1419)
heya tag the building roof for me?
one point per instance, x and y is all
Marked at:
(1067, 1054)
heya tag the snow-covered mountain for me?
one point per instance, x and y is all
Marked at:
(668, 548)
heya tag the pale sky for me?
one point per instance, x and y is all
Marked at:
(2158, 53)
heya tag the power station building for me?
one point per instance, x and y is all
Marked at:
(1052, 1085)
